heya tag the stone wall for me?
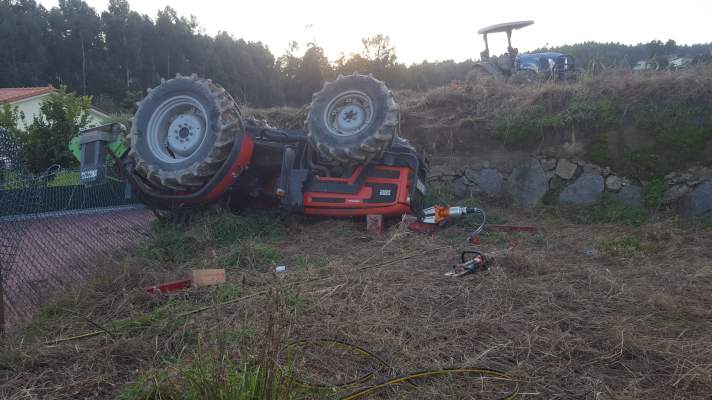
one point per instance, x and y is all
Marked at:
(566, 181)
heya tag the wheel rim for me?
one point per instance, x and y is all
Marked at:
(177, 129)
(349, 113)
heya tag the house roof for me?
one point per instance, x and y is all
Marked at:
(11, 95)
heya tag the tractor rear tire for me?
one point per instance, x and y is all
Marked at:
(353, 119)
(183, 131)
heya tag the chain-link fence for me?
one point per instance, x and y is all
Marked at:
(53, 229)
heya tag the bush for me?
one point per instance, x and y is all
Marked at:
(654, 192)
(10, 117)
(216, 377)
(46, 142)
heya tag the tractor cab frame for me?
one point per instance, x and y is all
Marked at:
(529, 66)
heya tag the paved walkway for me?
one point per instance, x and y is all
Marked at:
(57, 249)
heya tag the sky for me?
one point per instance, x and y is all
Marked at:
(439, 29)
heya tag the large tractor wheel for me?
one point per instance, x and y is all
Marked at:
(352, 119)
(183, 131)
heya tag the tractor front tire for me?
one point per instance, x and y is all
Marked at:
(183, 131)
(353, 119)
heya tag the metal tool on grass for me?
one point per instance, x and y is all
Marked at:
(471, 262)
(439, 215)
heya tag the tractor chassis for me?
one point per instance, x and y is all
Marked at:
(272, 168)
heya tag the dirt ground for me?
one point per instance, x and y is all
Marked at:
(600, 311)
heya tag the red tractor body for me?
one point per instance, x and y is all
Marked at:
(191, 148)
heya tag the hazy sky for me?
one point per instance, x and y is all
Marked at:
(440, 29)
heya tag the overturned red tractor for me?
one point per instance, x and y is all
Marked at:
(189, 147)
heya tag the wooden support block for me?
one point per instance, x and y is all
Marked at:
(374, 224)
(207, 277)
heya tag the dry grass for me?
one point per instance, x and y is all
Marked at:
(618, 325)
(281, 117)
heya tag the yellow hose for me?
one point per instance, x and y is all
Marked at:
(384, 366)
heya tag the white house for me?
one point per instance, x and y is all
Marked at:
(28, 101)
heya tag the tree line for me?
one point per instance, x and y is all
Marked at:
(117, 54)
(614, 55)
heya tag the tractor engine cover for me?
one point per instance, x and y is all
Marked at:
(183, 132)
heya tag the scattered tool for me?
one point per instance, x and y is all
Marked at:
(167, 287)
(438, 215)
(471, 262)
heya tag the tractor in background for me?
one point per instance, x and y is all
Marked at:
(526, 67)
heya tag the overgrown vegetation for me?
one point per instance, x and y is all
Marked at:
(211, 376)
(218, 362)
(620, 246)
(11, 118)
(642, 125)
(607, 210)
(654, 192)
(542, 304)
(248, 237)
(536, 120)
(46, 140)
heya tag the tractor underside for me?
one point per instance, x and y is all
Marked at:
(190, 148)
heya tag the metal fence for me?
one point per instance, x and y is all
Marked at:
(52, 230)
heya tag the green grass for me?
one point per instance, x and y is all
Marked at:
(297, 303)
(700, 223)
(211, 377)
(249, 239)
(607, 210)
(620, 246)
(239, 336)
(65, 178)
(671, 130)
(308, 260)
(162, 314)
(705, 223)
(228, 291)
(536, 120)
(653, 193)
(442, 194)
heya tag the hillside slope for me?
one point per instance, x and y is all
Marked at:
(642, 125)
